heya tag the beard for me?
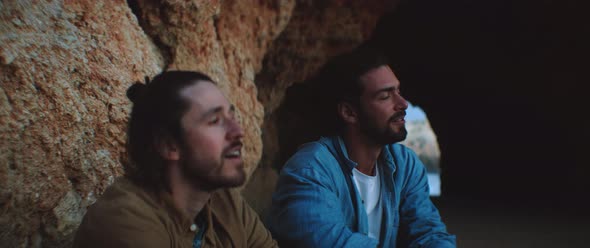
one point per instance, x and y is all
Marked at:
(382, 135)
(211, 174)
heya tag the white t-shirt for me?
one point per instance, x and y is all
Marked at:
(369, 188)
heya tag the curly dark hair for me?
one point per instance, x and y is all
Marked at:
(339, 80)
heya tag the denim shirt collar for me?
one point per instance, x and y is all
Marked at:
(336, 145)
(341, 147)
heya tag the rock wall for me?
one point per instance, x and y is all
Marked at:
(65, 66)
(64, 69)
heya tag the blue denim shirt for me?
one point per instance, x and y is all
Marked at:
(316, 203)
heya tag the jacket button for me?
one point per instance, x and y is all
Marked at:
(193, 227)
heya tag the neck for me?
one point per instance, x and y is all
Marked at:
(362, 150)
(186, 196)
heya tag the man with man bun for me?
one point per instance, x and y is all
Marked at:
(184, 145)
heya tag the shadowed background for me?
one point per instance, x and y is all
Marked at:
(505, 86)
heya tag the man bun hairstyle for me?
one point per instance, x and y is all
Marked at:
(137, 89)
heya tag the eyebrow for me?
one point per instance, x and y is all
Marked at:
(216, 110)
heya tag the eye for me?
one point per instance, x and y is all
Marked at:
(215, 120)
(384, 95)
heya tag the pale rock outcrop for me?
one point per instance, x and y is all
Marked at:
(422, 139)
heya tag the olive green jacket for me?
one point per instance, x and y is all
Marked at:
(129, 216)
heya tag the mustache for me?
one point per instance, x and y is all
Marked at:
(397, 115)
(233, 145)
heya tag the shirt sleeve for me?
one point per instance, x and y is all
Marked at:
(306, 213)
(420, 222)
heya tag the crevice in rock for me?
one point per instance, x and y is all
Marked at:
(218, 37)
(165, 50)
(8, 73)
(135, 9)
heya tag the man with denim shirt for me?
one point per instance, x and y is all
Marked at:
(358, 188)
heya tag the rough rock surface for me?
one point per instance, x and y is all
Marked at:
(64, 70)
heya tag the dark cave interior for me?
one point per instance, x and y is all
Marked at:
(503, 83)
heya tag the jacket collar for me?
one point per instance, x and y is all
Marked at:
(337, 147)
(343, 153)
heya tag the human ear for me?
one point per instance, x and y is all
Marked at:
(347, 113)
(168, 149)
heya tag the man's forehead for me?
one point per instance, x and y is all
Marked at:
(380, 77)
(204, 94)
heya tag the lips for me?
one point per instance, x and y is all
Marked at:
(234, 150)
(398, 117)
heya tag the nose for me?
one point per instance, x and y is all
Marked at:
(234, 130)
(400, 103)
